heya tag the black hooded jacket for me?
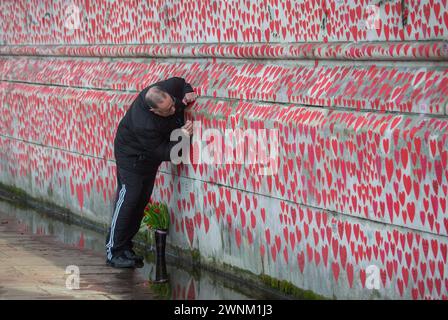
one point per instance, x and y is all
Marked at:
(142, 140)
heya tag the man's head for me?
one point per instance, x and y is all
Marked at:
(160, 102)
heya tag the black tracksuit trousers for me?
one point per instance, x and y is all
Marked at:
(133, 193)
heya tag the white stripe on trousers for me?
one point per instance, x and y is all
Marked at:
(114, 221)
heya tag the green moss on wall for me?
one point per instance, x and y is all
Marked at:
(283, 286)
(290, 289)
(12, 189)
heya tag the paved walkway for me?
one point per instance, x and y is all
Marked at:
(34, 267)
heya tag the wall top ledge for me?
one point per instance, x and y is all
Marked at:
(403, 50)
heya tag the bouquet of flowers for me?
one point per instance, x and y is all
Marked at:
(156, 216)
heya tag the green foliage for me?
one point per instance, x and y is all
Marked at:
(157, 216)
(161, 290)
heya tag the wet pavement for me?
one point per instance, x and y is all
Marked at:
(37, 250)
(34, 265)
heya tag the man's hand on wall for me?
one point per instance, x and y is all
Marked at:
(189, 97)
(187, 129)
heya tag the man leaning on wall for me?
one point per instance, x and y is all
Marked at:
(141, 144)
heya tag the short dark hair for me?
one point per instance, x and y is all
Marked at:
(155, 97)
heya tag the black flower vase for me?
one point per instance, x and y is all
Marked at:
(161, 274)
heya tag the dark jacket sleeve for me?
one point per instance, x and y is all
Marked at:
(155, 146)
